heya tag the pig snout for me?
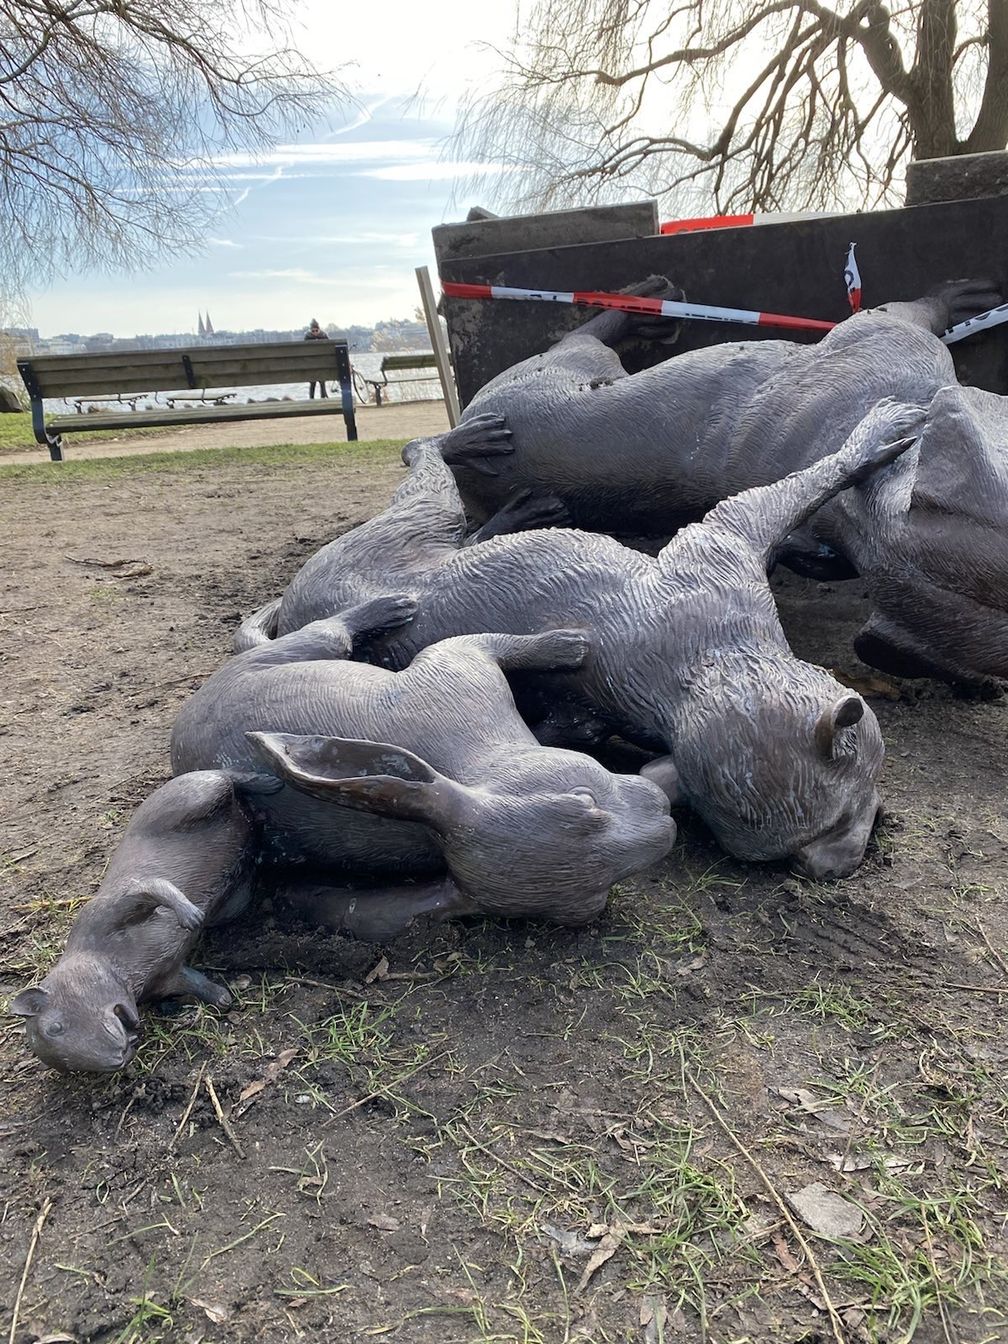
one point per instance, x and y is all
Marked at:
(840, 850)
(75, 1040)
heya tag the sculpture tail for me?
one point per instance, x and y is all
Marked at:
(258, 629)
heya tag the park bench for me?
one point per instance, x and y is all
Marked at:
(422, 359)
(197, 368)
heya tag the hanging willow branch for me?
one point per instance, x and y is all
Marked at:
(782, 104)
(113, 115)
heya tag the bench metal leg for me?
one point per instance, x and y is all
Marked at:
(42, 435)
(344, 376)
(349, 416)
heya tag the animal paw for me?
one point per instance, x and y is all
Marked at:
(888, 430)
(564, 648)
(527, 512)
(475, 440)
(380, 614)
(654, 287)
(523, 512)
(965, 298)
(190, 916)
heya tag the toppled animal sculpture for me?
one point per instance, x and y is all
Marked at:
(436, 780)
(186, 859)
(686, 652)
(641, 454)
(423, 517)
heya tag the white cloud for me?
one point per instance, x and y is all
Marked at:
(375, 279)
(330, 152)
(224, 242)
(434, 171)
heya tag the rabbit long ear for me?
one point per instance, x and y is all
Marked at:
(369, 776)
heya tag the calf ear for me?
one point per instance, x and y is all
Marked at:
(841, 714)
(29, 1002)
(370, 776)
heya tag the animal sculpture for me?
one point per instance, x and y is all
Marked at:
(186, 859)
(642, 454)
(685, 656)
(445, 802)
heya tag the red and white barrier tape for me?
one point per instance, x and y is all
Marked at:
(632, 303)
(993, 317)
(700, 312)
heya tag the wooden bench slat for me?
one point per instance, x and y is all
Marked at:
(260, 410)
(198, 369)
(421, 360)
(172, 377)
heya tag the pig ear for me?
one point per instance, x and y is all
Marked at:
(29, 1002)
(841, 714)
(370, 776)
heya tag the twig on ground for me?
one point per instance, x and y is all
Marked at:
(225, 1123)
(464, 1129)
(188, 1110)
(347, 990)
(384, 1091)
(976, 989)
(836, 1323)
(992, 949)
(32, 1244)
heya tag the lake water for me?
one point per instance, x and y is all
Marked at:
(366, 363)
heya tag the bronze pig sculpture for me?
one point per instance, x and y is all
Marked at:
(686, 652)
(430, 769)
(186, 859)
(643, 454)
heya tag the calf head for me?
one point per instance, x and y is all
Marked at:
(82, 1018)
(547, 836)
(782, 763)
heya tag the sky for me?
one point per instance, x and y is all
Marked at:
(330, 227)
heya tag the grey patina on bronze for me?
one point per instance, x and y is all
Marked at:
(186, 860)
(431, 769)
(686, 652)
(643, 454)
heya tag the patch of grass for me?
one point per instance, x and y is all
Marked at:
(928, 1267)
(17, 435)
(275, 455)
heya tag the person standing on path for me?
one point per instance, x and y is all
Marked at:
(315, 333)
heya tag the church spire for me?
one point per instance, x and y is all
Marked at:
(202, 328)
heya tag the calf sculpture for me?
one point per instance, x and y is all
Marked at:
(186, 859)
(645, 453)
(445, 803)
(685, 656)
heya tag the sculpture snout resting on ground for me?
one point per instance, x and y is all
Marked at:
(642, 454)
(186, 859)
(686, 653)
(430, 769)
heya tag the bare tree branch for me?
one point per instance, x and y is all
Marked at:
(114, 115)
(778, 104)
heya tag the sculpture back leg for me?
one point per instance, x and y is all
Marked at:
(766, 515)
(373, 914)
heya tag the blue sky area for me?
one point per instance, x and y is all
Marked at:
(330, 227)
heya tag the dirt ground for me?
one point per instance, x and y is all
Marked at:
(493, 1133)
